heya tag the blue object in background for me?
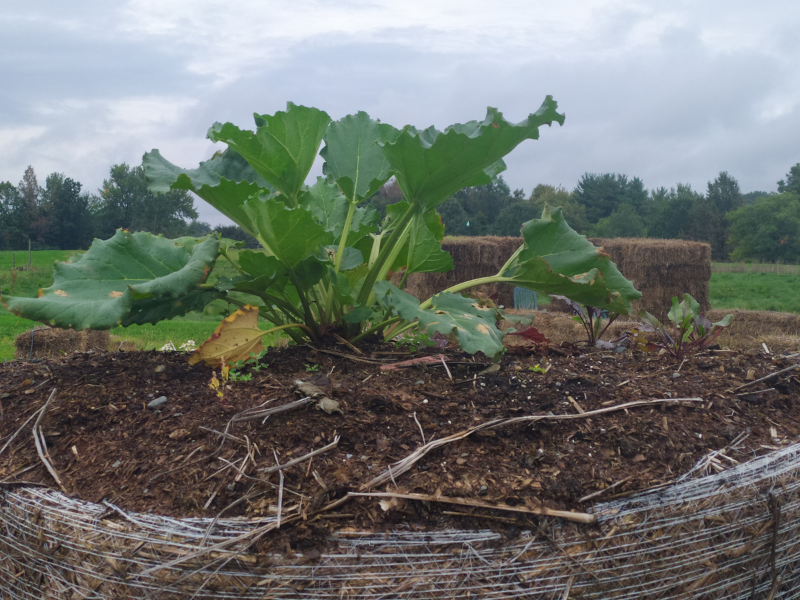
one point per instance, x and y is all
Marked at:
(525, 299)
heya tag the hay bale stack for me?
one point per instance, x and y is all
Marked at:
(52, 343)
(473, 257)
(661, 269)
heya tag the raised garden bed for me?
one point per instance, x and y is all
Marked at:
(486, 504)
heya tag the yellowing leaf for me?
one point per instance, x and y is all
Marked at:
(234, 339)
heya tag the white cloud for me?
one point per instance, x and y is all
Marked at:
(12, 137)
(776, 107)
(666, 91)
(227, 39)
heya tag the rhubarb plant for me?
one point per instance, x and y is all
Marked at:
(326, 256)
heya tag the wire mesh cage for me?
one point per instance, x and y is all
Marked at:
(733, 534)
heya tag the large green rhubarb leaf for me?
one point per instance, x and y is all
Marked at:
(353, 157)
(473, 325)
(326, 202)
(225, 182)
(130, 278)
(426, 235)
(290, 234)
(431, 166)
(154, 309)
(555, 259)
(283, 147)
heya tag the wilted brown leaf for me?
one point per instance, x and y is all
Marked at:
(234, 339)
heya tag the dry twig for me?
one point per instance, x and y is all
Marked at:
(257, 414)
(776, 373)
(17, 432)
(422, 360)
(279, 467)
(563, 514)
(41, 446)
(604, 490)
(280, 489)
(350, 356)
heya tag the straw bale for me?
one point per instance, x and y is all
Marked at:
(750, 328)
(473, 257)
(661, 269)
(51, 343)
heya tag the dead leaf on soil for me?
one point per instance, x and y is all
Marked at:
(329, 406)
(179, 434)
(234, 339)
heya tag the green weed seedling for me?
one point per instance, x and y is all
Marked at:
(595, 321)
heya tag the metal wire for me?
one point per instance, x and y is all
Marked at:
(715, 536)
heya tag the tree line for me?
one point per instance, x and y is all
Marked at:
(757, 225)
(60, 215)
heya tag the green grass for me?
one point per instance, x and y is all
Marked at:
(755, 267)
(755, 291)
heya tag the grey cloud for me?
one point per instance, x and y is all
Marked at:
(670, 110)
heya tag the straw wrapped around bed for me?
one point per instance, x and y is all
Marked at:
(44, 342)
(724, 533)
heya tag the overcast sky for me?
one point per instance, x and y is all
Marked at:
(666, 91)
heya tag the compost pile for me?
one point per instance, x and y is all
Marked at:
(198, 455)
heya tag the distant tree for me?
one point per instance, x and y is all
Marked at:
(707, 224)
(624, 222)
(473, 210)
(198, 228)
(601, 194)
(751, 197)
(724, 193)
(574, 212)
(669, 215)
(390, 193)
(8, 202)
(659, 195)
(234, 232)
(708, 216)
(26, 213)
(768, 230)
(455, 218)
(510, 220)
(792, 182)
(127, 203)
(68, 216)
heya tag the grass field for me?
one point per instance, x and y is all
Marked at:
(749, 286)
(755, 291)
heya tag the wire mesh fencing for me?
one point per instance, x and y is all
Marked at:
(733, 534)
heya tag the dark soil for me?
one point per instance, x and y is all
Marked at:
(106, 444)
